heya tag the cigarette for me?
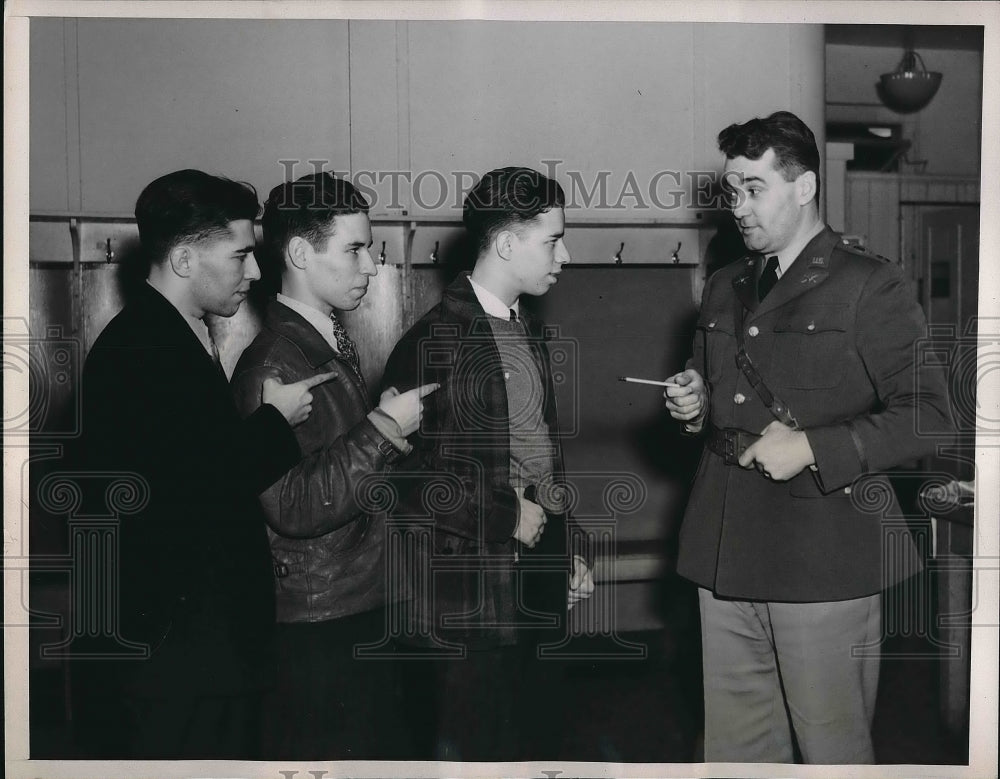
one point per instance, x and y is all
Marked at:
(648, 381)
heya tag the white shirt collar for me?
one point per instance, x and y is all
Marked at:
(493, 305)
(313, 316)
(788, 255)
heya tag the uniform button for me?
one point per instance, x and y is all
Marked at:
(811, 326)
(739, 398)
(712, 323)
(506, 375)
(753, 331)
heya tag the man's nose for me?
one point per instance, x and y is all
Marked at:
(251, 270)
(562, 253)
(368, 266)
(739, 204)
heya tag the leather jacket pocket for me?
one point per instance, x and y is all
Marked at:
(346, 539)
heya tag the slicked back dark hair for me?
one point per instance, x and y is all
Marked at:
(306, 208)
(508, 198)
(189, 206)
(793, 142)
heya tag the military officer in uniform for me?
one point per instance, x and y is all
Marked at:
(802, 382)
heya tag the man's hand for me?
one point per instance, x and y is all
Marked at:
(687, 398)
(406, 408)
(581, 584)
(531, 521)
(781, 452)
(294, 401)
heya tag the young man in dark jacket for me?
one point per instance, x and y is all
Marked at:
(328, 552)
(492, 578)
(192, 563)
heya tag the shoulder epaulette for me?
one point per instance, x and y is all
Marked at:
(851, 248)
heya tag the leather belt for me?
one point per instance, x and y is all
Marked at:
(729, 442)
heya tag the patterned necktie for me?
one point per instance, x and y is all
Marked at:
(768, 278)
(346, 347)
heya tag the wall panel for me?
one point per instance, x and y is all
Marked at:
(227, 96)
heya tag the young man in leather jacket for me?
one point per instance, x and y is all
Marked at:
(328, 552)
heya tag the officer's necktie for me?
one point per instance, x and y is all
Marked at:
(513, 315)
(768, 278)
(346, 347)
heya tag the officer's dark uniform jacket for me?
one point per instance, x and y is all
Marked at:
(328, 550)
(835, 341)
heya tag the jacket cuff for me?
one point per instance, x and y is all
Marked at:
(389, 429)
(505, 515)
(838, 455)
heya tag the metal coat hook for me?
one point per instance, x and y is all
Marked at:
(381, 254)
(618, 255)
(675, 257)
(434, 253)
(109, 253)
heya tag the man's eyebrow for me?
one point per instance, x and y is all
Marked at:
(737, 179)
(245, 250)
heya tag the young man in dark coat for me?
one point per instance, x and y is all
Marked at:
(803, 381)
(488, 468)
(328, 551)
(194, 569)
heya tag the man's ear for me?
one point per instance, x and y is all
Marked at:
(505, 244)
(181, 258)
(297, 251)
(806, 187)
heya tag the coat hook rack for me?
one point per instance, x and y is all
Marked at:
(675, 257)
(109, 253)
(618, 255)
(381, 254)
(434, 253)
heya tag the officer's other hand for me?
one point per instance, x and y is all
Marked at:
(406, 407)
(780, 453)
(531, 521)
(687, 397)
(294, 400)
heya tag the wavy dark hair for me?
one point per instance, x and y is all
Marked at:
(507, 198)
(793, 142)
(190, 206)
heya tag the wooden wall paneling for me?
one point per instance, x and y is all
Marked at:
(374, 112)
(228, 96)
(884, 219)
(50, 316)
(594, 99)
(52, 61)
(857, 212)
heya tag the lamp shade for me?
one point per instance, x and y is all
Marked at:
(908, 88)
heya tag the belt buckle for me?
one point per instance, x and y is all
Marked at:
(731, 447)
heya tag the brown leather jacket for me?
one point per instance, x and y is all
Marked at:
(328, 554)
